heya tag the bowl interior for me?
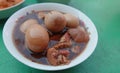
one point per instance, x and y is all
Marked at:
(11, 22)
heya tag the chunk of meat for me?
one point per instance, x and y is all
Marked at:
(65, 38)
(56, 57)
(62, 45)
(79, 34)
(52, 56)
(64, 52)
(64, 42)
(62, 60)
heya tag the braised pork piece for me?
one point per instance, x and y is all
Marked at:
(50, 37)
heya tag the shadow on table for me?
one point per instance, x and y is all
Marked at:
(2, 22)
(76, 69)
(56, 1)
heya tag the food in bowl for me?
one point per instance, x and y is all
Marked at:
(8, 3)
(50, 37)
(19, 16)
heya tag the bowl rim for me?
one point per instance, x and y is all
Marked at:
(50, 68)
(12, 6)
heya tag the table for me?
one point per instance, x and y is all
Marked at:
(106, 58)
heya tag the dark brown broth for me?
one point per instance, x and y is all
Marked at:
(18, 38)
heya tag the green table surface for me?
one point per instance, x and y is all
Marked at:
(106, 58)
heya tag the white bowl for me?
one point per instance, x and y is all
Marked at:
(11, 22)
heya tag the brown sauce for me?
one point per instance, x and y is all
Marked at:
(18, 38)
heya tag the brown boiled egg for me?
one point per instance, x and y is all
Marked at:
(27, 24)
(79, 34)
(55, 21)
(36, 38)
(72, 21)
